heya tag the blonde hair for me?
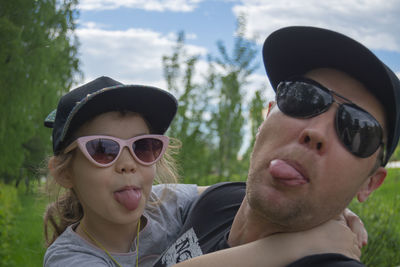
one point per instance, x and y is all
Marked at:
(67, 209)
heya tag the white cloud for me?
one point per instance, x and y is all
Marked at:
(149, 5)
(132, 56)
(375, 23)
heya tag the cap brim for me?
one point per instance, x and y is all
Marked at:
(296, 50)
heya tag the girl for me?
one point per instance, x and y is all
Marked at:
(109, 148)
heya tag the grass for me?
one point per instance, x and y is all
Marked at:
(28, 243)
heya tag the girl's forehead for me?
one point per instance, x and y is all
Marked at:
(115, 123)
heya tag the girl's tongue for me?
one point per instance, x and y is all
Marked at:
(128, 197)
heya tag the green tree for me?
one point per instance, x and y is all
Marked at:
(189, 124)
(38, 62)
(211, 113)
(396, 154)
(229, 115)
(256, 109)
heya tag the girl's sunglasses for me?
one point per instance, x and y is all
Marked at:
(104, 150)
(357, 130)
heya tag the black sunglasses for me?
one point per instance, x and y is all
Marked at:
(358, 130)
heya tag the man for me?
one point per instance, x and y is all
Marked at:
(327, 139)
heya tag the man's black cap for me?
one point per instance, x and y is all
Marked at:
(296, 50)
(102, 95)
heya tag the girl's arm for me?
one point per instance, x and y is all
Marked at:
(201, 189)
(285, 248)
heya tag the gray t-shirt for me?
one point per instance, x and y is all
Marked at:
(164, 221)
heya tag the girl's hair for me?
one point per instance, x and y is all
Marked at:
(67, 209)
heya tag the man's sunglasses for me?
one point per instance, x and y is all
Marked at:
(358, 130)
(104, 150)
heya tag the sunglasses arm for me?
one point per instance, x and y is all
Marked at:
(71, 147)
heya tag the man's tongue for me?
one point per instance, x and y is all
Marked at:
(129, 198)
(282, 170)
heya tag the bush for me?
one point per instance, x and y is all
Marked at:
(9, 206)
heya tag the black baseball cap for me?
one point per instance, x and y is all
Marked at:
(102, 95)
(296, 50)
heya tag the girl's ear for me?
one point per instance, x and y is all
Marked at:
(63, 178)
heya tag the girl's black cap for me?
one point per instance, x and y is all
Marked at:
(298, 49)
(102, 95)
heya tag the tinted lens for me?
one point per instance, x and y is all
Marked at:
(147, 149)
(300, 99)
(102, 150)
(358, 130)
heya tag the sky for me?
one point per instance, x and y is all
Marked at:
(126, 39)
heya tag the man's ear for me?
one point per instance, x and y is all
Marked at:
(265, 114)
(62, 178)
(271, 104)
(371, 184)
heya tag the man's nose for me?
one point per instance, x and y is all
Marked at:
(318, 131)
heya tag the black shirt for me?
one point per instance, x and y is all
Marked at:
(207, 226)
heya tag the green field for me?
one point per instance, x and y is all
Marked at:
(381, 215)
(28, 243)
